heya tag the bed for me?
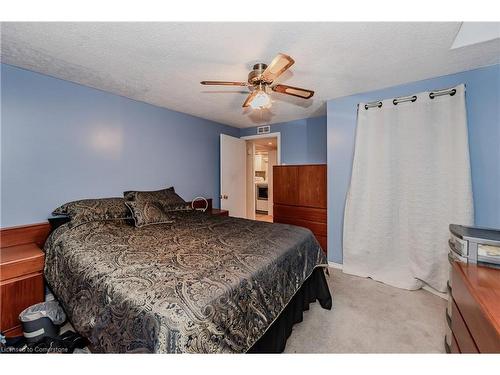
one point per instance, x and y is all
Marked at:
(201, 284)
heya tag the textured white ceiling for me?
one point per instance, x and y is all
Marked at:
(163, 63)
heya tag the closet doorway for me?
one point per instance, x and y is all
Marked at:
(263, 152)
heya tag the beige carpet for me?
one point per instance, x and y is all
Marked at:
(371, 317)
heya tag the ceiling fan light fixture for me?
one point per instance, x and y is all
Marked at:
(261, 101)
(261, 83)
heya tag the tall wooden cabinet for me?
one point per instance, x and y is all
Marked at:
(299, 198)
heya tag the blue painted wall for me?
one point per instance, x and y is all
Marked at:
(62, 141)
(302, 141)
(483, 114)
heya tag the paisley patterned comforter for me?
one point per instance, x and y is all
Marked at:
(203, 284)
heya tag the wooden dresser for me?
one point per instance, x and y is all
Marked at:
(299, 197)
(21, 273)
(475, 309)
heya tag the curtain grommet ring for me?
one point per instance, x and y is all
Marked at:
(451, 93)
(373, 105)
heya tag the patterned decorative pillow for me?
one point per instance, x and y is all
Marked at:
(94, 209)
(154, 207)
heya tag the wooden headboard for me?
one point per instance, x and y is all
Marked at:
(38, 233)
(24, 234)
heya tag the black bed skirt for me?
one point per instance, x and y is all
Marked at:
(314, 288)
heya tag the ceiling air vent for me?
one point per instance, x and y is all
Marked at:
(263, 129)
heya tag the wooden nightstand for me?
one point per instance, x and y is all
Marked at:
(21, 283)
(218, 212)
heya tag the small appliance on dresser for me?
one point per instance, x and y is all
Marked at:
(475, 245)
(473, 312)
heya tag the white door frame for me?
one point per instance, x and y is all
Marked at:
(250, 180)
(269, 135)
(276, 135)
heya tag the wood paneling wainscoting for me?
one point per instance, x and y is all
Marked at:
(300, 198)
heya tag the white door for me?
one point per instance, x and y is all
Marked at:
(233, 175)
(272, 162)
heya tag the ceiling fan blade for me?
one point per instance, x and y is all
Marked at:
(249, 98)
(294, 91)
(279, 65)
(224, 83)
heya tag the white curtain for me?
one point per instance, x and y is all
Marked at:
(410, 180)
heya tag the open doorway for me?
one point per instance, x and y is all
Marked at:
(246, 174)
(262, 155)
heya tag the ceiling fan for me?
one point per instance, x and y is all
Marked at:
(260, 82)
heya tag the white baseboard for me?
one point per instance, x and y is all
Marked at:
(335, 265)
